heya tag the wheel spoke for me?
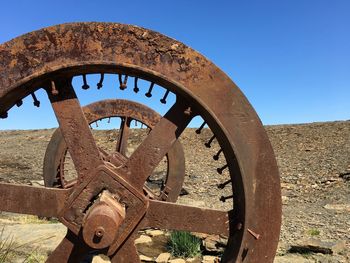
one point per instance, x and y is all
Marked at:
(75, 128)
(25, 199)
(124, 129)
(172, 216)
(156, 145)
(70, 250)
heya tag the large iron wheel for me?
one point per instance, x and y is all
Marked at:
(107, 206)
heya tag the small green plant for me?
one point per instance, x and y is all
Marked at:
(35, 257)
(6, 247)
(184, 244)
(314, 232)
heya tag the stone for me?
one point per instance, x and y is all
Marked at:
(285, 199)
(214, 243)
(143, 239)
(154, 232)
(210, 259)
(193, 260)
(37, 182)
(146, 259)
(177, 260)
(318, 246)
(184, 192)
(163, 258)
(289, 258)
(338, 207)
(345, 176)
(100, 259)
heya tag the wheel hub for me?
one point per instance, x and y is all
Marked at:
(105, 209)
(102, 221)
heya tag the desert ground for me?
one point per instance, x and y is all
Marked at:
(314, 165)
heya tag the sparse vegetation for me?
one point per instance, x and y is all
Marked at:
(184, 244)
(23, 219)
(6, 247)
(35, 257)
(314, 232)
(11, 250)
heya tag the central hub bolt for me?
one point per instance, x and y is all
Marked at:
(100, 231)
(102, 221)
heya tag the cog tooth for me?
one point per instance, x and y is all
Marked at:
(123, 83)
(217, 155)
(199, 130)
(224, 198)
(4, 115)
(163, 100)
(85, 85)
(19, 103)
(208, 144)
(148, 94)
(100, 83)
(136, 88)
(36, 102)
(54, 91)
(220, 170)
(222, 185)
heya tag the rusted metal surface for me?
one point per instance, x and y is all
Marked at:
(102, 221)
(25, 199)
(51, 57)
(159, 141)
(200, 220)
(56, 151)
(75, 129)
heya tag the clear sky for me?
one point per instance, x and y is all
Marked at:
(291, 58)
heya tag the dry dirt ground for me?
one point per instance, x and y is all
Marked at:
(314, 163)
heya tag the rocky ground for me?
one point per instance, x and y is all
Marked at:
(314, 163)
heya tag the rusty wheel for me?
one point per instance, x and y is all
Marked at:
(107, 205)
(162, 187)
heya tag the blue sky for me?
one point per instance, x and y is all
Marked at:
(291, 58)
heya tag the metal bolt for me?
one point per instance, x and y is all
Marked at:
(199, 130)
(3, 115)
(216, 156)
(54, 91)
(224, 198)
(220, 170)
(99, 231)
(208, 144)
(100, 83)
(35, 100)
(149, 92)
(85, 85)
(255, 235)
(188, 111)
(19, 103)
(163, 100)
(136, 88)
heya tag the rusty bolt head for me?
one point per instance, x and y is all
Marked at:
(102, 221)
(188, 111)
(99, 231)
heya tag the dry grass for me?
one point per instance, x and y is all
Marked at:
(23, 219)
(10, 250)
